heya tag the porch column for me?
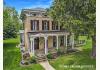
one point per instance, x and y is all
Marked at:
(46, 46)
(33, 46)
(72, 40)
(58, 26)
(50, 24)
(66, 41)
(57, 41)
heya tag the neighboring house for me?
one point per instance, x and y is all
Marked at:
(41, 32)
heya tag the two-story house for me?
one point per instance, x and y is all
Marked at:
(41, 32)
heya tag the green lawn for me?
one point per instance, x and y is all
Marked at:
(12, 57)
(75, 59)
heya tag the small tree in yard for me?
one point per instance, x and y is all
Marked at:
(10, 22)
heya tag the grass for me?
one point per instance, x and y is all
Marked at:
(82, 37)
(12, 57)
(82, 58)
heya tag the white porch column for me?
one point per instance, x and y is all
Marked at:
(57, 41)
(33, 46)
(46, 46)
(73, 41)
(66, 41)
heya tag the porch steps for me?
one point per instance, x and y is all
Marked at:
(54, 55)
(53, 52)
(41, 58)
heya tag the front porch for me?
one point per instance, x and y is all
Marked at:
(51, 42)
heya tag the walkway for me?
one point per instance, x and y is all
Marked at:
(46, 65)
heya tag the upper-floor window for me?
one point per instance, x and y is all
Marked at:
(44, 15)
(45, 25)
(34, 14)
(34, 25)
(54, 26)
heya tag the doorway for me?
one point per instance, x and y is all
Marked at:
(36, 43)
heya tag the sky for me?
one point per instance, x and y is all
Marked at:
(22, 4)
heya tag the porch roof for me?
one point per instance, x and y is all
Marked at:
(47, 33)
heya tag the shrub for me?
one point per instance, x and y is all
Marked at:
(49, 56)
(26, 56)
(60, 52)
(24, 62)
(33, 59)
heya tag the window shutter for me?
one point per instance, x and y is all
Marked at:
(37, 24)
(31, 25)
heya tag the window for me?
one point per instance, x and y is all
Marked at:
(45, 25)
(34, 14)
(44, 14)
(34, 24)
(54, 26)
(61, 40)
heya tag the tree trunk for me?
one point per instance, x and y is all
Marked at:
(93, 55)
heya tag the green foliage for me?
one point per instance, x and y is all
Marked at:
(33, 59)
(21, 27)
(60, 51)
(49, 56)
(78, 58)
(12, 57)
(22, 16)
(10, 23)
(76, 16)
(10, 31)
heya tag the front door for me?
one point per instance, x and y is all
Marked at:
(54, 41)
(36, 43)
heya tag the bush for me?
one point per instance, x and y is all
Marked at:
(10, 23)
(24, 62)
(60, 52)
(33, 59)
(26, 56)
(49, 56)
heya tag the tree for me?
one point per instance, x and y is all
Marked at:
(11, 22)
(77, 16)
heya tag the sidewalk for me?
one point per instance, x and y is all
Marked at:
(46, 65)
